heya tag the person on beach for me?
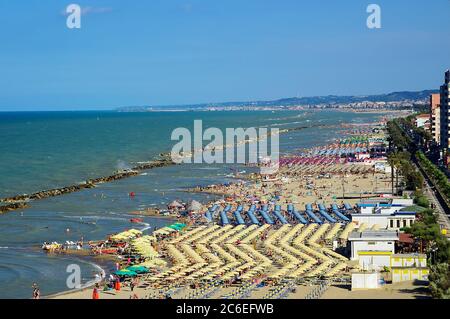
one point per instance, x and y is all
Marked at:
(36, 291)
(117, 285)
(95, 294)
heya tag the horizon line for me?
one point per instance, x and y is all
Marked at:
(113, 108)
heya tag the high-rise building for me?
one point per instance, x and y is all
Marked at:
(445, 116)
(435, 117)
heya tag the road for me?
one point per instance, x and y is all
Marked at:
(442, 218)
(442, 212)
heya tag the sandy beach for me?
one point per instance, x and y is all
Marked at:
(404, 290)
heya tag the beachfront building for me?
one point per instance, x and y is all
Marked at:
(407, 267)
(373, 249)
(384, 214)
(385, 202)
(389, 221)
(444, 108)
(435, 117)
(383, 217)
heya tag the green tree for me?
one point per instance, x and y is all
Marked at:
(440, 281)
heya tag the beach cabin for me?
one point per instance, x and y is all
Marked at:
(373, 249)
(408, 267)
(366, 280)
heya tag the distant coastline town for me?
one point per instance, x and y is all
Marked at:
(392, 101)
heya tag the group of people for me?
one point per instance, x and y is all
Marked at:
(114, 283)
(36, 291)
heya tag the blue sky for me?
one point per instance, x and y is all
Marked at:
(166, 52)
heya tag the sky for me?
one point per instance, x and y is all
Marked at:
(171, 52)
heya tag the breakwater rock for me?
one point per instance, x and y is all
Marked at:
(21, 201)
(12, 207)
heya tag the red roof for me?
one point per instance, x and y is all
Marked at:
(406, 238)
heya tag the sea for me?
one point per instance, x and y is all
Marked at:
(45, 150)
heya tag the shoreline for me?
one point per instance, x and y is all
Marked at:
(88, 285)
(85, 256)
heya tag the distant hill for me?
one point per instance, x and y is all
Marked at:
(333, 99)
(404, 96)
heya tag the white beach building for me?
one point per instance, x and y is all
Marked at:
(385, 215)
(366, 280)
(373, 249)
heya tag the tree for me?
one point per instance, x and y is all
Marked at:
(440, 281)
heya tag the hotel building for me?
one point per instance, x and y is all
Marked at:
(435, 117)
(445, 105)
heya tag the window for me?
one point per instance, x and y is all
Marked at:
(404, 223)
(398, 223)
(392, 223)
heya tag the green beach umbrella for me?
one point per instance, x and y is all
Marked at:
(138, 269)
(125, 273)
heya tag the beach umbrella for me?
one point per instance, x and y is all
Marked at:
(162, 231)
(125, 273)
(175, 204)
(177, 226)
(138, 269)
(195, 206)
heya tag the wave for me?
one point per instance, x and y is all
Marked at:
(95, 217)
(147, 226)
(289, 123)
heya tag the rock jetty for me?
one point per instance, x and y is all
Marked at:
(21, 201)
(12, 207)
